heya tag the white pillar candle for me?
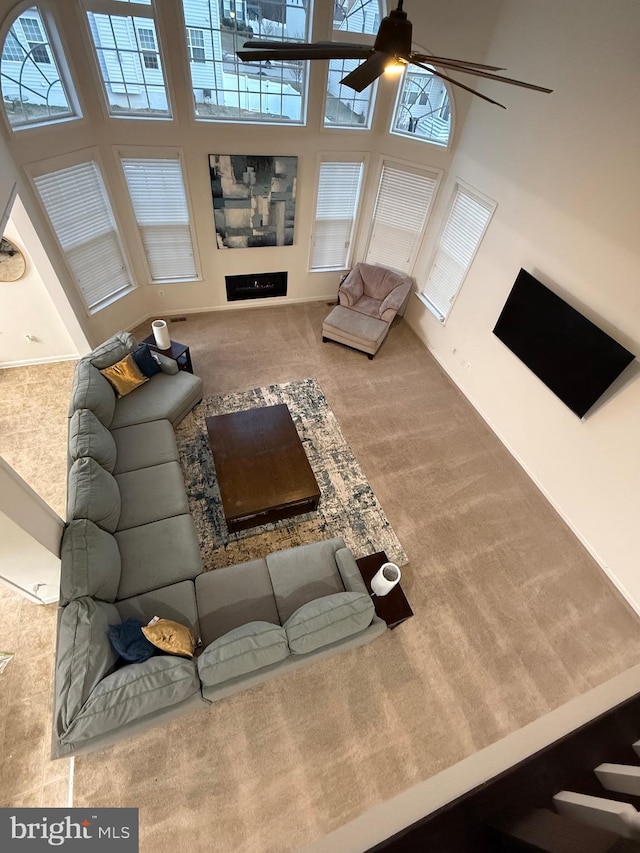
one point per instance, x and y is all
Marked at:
(161, 334)
(384, 580)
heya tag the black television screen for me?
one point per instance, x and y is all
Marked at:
(572, 356)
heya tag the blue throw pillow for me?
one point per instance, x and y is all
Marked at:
(145, 360)
(129, 641)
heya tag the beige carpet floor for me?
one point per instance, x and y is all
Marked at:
(512, 616)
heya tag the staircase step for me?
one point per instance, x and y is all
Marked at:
(544, 830)
(622, 778)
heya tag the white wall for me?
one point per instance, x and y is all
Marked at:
(564, 170)
(30, 535)
(27, 308)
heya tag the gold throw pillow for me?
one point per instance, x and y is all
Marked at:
(124, 376)
(171, 637)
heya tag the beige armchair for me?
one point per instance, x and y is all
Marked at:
(370, 297)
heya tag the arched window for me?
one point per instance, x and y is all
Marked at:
(33, 91)
(423, 109)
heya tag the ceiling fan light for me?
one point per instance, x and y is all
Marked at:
(395, 66)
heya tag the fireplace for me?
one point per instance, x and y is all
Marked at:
(256, 285)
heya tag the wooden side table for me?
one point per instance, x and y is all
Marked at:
(393, 607)
(178, 352)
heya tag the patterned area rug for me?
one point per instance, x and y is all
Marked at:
(348, 506)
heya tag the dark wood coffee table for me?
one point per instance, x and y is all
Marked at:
(393, 607)
(263, 472)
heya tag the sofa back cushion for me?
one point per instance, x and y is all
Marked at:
(90, 562)
(304, 573)
(113, 350)
(89, 437)
(90, 390)
(242, 650)
(378, 282)
(84, 656)
(93, 493)
(327, 620)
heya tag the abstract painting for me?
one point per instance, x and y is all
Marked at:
(254, 199)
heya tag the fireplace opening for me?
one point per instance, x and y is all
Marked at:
(256, 285)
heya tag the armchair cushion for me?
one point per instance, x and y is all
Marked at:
(375, 291)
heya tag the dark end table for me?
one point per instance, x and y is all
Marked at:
(178, 352)
(393, 607)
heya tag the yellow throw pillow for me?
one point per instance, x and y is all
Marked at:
(124, 376)
(171, 637)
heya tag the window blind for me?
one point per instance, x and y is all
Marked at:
(403, 203)
(78, 207)
(464, 229)
(338, 192)
(160, 205)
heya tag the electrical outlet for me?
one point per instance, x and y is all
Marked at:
(161, 293)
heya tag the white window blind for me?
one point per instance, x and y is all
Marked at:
(462, 234)
(338, 193)
(402, 206)
(78, 206)
(160, 205)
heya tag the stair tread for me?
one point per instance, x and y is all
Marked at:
(548, 831)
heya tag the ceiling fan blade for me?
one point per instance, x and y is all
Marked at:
(285, 45)
(478, 73)
(425, 57)
(302, 51)
(367, 72)
(461, 85)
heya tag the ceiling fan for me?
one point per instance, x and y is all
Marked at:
(392, 46)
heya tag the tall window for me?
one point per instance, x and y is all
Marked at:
(358, 16)
(423, 110)
(77, 204)
(33, 91)
(129, 61)
(404, 200)
(344, 107)
(465, 225)
(336, 208)
(157, 192)
(225, 89)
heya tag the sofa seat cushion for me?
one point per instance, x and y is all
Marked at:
(93, 493)
(176, 602)
(369, 306)
(90, 390)
(230, 597)
(158, 554)
(89, 437)
(90, 562)
(327, 620)
(133, 692)
(162, 397)
(84, 656)
(242, 650)
(304, 573)
(151, 494)
(144, 445)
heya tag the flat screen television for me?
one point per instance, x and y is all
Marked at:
(570, 354)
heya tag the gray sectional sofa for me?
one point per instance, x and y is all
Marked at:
(130, 550)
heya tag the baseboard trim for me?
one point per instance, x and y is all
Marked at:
(27, 362)
(243, 305)
(567, 520)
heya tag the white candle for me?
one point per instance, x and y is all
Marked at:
(161, 334)
(384, 580)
